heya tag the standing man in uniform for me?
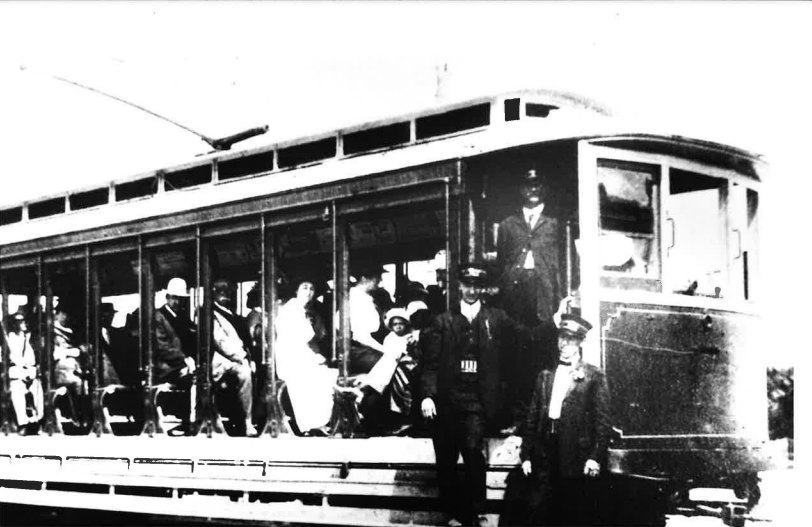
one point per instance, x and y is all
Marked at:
(529, 245)
(462, 385)
(565, 437)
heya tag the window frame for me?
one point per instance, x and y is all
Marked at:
(592, 292)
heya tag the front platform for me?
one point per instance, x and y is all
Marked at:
(373, 481)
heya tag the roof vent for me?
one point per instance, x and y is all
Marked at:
(539, 110)
(307, 152)
(189, 177)
(9, 216)
(512, 109)
(49, 207)
(245, 166)
(91, 198)
(376, 138)
(454, 121)
(136, 189)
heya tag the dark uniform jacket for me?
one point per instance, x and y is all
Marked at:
(174, 341)
(584, 426)
(545, 241)
(445, 343)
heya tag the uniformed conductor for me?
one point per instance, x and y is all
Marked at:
(529, 247)
(462, 385)
(565, 437)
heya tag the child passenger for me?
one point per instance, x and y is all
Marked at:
(388, 386)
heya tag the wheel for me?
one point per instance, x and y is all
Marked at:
(746, 487)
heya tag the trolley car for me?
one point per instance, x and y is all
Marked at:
(661, 246)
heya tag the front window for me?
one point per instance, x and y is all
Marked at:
(628, 223)
(695, 241)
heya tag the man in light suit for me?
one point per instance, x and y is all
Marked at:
(565, 437)
(231, 360)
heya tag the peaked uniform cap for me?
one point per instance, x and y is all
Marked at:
(532, 177)
(574, 325)
(473, 274)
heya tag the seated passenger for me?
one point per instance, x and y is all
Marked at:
(175, 338)
(231, 362)
(25, 386)
(387, 401)
(253, 321)
(298, 362)
(69, 358)
(69, 354)
(120, 355)
(365, 320)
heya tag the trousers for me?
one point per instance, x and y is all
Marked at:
(460, 431)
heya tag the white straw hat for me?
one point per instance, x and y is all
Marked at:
(177, 287)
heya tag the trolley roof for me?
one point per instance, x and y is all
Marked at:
(446, 132)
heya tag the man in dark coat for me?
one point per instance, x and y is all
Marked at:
(529, 247)
(463, 389)
(175, 338)
(565, 438)
(119, 350)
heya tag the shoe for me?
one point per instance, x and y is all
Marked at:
(322, 431)
(482, 521)
(250, 431)
(454, 522)
(402, 430)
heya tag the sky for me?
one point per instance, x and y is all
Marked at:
(734, 72)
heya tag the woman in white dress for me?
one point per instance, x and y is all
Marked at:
(309, 381)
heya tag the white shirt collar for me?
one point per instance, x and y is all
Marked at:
(470, 311)
(534, 213)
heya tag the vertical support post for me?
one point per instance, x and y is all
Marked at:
(344, 419)
(146, 290)
(334, 308)
(274, 415)
(5, 401)
(589, 227)
(568, 242)
(343, 287)
(100, 425)
(453, 235)
(208, 419)
(46, 332)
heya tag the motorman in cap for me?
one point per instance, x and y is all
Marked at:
(462, 385)
(528, 254)
(564, 440)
